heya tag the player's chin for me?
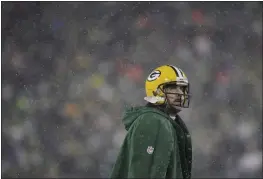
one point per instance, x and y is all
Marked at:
(176, 106)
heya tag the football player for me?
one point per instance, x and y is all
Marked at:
(158, 143)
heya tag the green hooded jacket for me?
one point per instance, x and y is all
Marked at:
(155, 146)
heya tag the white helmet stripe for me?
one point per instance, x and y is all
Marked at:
(180, 74)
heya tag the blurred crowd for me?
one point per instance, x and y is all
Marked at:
(70, 69)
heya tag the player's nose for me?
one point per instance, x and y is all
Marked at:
(179, 91)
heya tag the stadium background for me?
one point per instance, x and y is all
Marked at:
(69, 70)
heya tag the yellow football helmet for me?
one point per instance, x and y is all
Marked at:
(164, 75)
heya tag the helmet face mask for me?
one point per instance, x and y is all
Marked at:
(176, 95)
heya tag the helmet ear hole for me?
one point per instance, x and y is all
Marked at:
(158, 92)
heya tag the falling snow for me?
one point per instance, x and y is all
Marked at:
(69, 69)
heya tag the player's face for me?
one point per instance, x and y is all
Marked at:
(173, 95)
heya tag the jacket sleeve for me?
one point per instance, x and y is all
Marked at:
(150, 149)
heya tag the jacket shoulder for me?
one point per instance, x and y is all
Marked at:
(154, 115)
(151, 118)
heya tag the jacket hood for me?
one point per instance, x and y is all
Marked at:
(132, 113)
